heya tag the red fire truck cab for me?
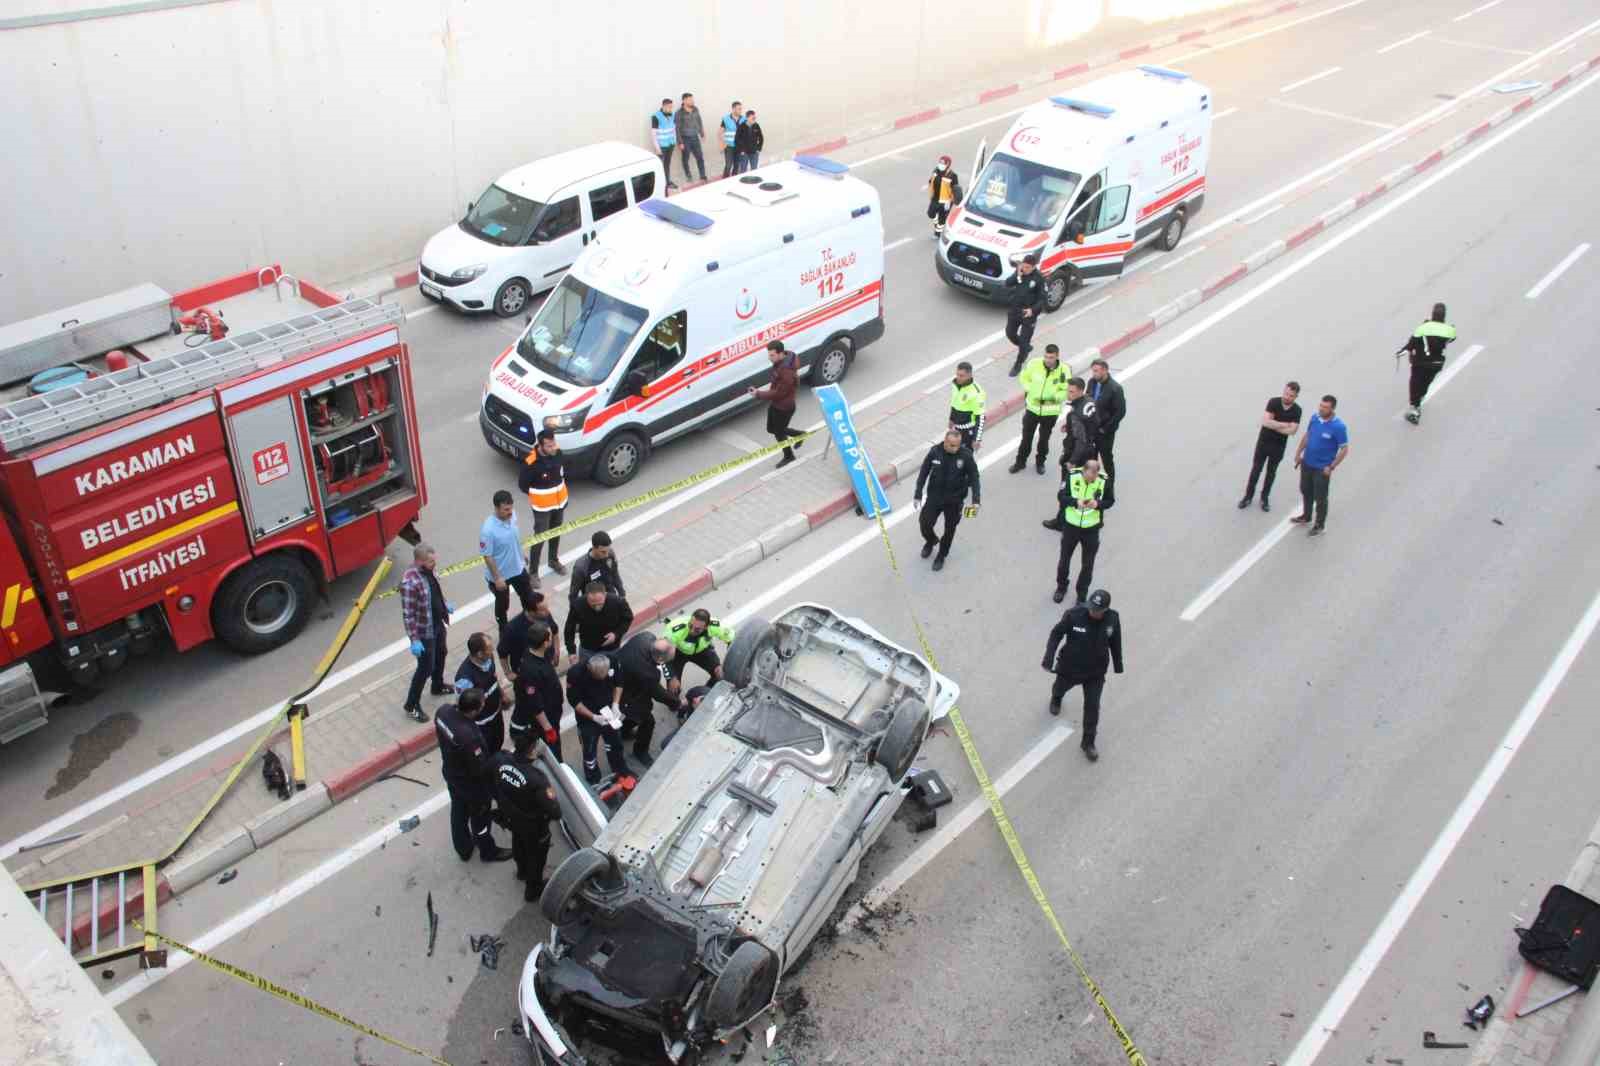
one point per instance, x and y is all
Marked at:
(258, 441)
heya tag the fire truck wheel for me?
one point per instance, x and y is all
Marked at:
(619, 459)
(264, 604)
(511, 298)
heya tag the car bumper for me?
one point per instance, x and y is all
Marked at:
(981, 285)
(476, 295)
(550, 1042)
(579, 459)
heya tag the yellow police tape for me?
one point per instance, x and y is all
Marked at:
(627, 505)
(283, 993)
(1007, 831)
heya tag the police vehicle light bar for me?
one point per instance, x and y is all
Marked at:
(1165, 72)
(692, 221)
(821, 165)
(1098, 110)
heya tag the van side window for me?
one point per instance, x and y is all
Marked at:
(608, 200)
(1112, 210)
(663, 348)
(644, 186)
(558, 220)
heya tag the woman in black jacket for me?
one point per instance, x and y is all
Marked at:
(747, 143)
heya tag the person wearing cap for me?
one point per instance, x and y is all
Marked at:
(544, 478)
(1426, 345)
(1027, 300)
(477, 672)
(944, 192)
(1089, 637)
(967, 404)
(694, 641)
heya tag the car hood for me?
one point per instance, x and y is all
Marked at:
(453, 248)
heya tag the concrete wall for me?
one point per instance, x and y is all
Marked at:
(183, 143)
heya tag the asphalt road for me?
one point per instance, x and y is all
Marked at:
(1277, 768)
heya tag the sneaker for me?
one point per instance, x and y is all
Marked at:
(785, 461)
(416, 714)
(927, 550)
(1317, 530)
(1265, 506)
(1055, 524)
(938, 562)
(1038, 467)
(1055, 709)
(558, 567)
(1244, 503)
(1300, 519)
(1090, 754)
(1016, 368)
(1058, 595)
(1015, 467)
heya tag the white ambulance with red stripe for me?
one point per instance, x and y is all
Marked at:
(1082, 181)
(662, 324)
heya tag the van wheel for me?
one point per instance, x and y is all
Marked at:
(1057, 289)
(619, 460)
(1172, 232)
(263, 604)
(834, 362)
(511, 298)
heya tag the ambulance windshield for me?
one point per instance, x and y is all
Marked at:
(580, 333)
(1022, 193)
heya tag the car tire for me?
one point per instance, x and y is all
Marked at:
(571, 877)
(754, 636)
(744, 987)
(264, 604)
(833, 362)
(619, 459)
(908, 727)
(512, 297)
(1057, 289)
(1172, 232)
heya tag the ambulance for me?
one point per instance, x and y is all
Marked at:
(661, 325)
(1082, 181)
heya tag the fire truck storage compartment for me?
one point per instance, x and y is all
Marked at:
(360, 451)
(83, 331)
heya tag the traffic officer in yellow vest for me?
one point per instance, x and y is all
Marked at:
(665, 129)
(1426, 345)
(1081, 522)
(544, 479)
(1044, 387)
(694, 641)
(967, 403)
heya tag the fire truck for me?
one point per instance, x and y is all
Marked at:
(197, 465)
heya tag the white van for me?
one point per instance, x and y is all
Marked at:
(662, 324)
(527, 228)
(1082, 181)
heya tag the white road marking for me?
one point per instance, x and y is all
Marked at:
(1293, 85)
(946, 135)
(735, 440)
(1235, 572)
(428, 310)
(929, 849)
(1561, 268)
(1258, 34)
(1225, 114)
(1186, 255)
(1268, 213)
(1080, 312)
(1416, 887)
(1456, 366)
(1477, 10)
(1484, 47)
(211, 939)
(1332, 114)
(892, 245)
(1402, 42)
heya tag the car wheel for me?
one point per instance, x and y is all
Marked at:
(557, 903)
(1172, 232)
(1057, 289)
(834, 362)
(263, 604)
(619, 460)
(903, 739)
(755, 636)
(511, 298)
(744, 987)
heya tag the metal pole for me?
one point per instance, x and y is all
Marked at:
(66, 921)
(122, 907)
(94, 916)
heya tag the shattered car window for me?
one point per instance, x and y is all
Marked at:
(770, 725)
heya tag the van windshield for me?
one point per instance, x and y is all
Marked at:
(1021, 193)
(580, 333)
(501, 217)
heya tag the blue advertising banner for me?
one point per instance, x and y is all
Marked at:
(836, 412)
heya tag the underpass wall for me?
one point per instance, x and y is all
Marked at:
(196, 138)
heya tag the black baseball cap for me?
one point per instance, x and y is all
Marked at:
(1099, 600)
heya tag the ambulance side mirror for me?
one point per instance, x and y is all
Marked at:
(637, 383)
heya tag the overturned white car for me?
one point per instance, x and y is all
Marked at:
(672, 923)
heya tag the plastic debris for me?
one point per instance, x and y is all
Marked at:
(772, 1034)
(1516, 86)
(1430, 1040)
(408, 824)
(488, 946)
(1479, 1012)
(433, 926)
(229, 876)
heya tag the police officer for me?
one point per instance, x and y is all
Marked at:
(1092, 635)
(642, 663)
(477, 672)
(1077, 438)
(665, 129)
(693, 641)
(1110, 408)
(1080, 499)
(527, 805)
(1426, 345)
(594, 687)
(948, 473)
(1027, 300)
(464, 759)
(537, 710)
(1044, 387)
(967, 404)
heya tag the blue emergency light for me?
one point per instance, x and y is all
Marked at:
(822, 165)
(692, 221)
(1097, 110)
(1165, 72)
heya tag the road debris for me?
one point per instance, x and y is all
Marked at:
(1430, 1040)
(402, 777)
(229, 876)
(408, 824)
(433, 926)
(273, 774)
(1542, 1004)
(1479, 1013)
(488, 947)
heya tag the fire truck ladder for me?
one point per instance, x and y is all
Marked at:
(36, 420)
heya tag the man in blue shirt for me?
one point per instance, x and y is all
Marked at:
(504, 567)
(1325, 445)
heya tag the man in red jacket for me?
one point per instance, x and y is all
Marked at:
(780, 396)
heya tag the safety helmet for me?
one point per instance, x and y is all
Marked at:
(944, 161)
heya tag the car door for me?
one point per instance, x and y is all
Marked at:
(1101, 232)
(656, 383)
(555, 241)
(605, 200)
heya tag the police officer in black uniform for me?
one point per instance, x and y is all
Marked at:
(948, 473)
(1090, 637)
(477, 671)
(464, 759)
(1080, 428)
(1027, 301)
(527, 806)
(538, 704)
(642, 663)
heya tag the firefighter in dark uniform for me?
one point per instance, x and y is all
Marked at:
(464, 760)
(1090, 637)
(1027, 301)
(967, 404)
(538, 705)
(1426, 345)
(1079, 429)
(527, 804)
(948, 473)
(1081, 499)
(477, 671)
